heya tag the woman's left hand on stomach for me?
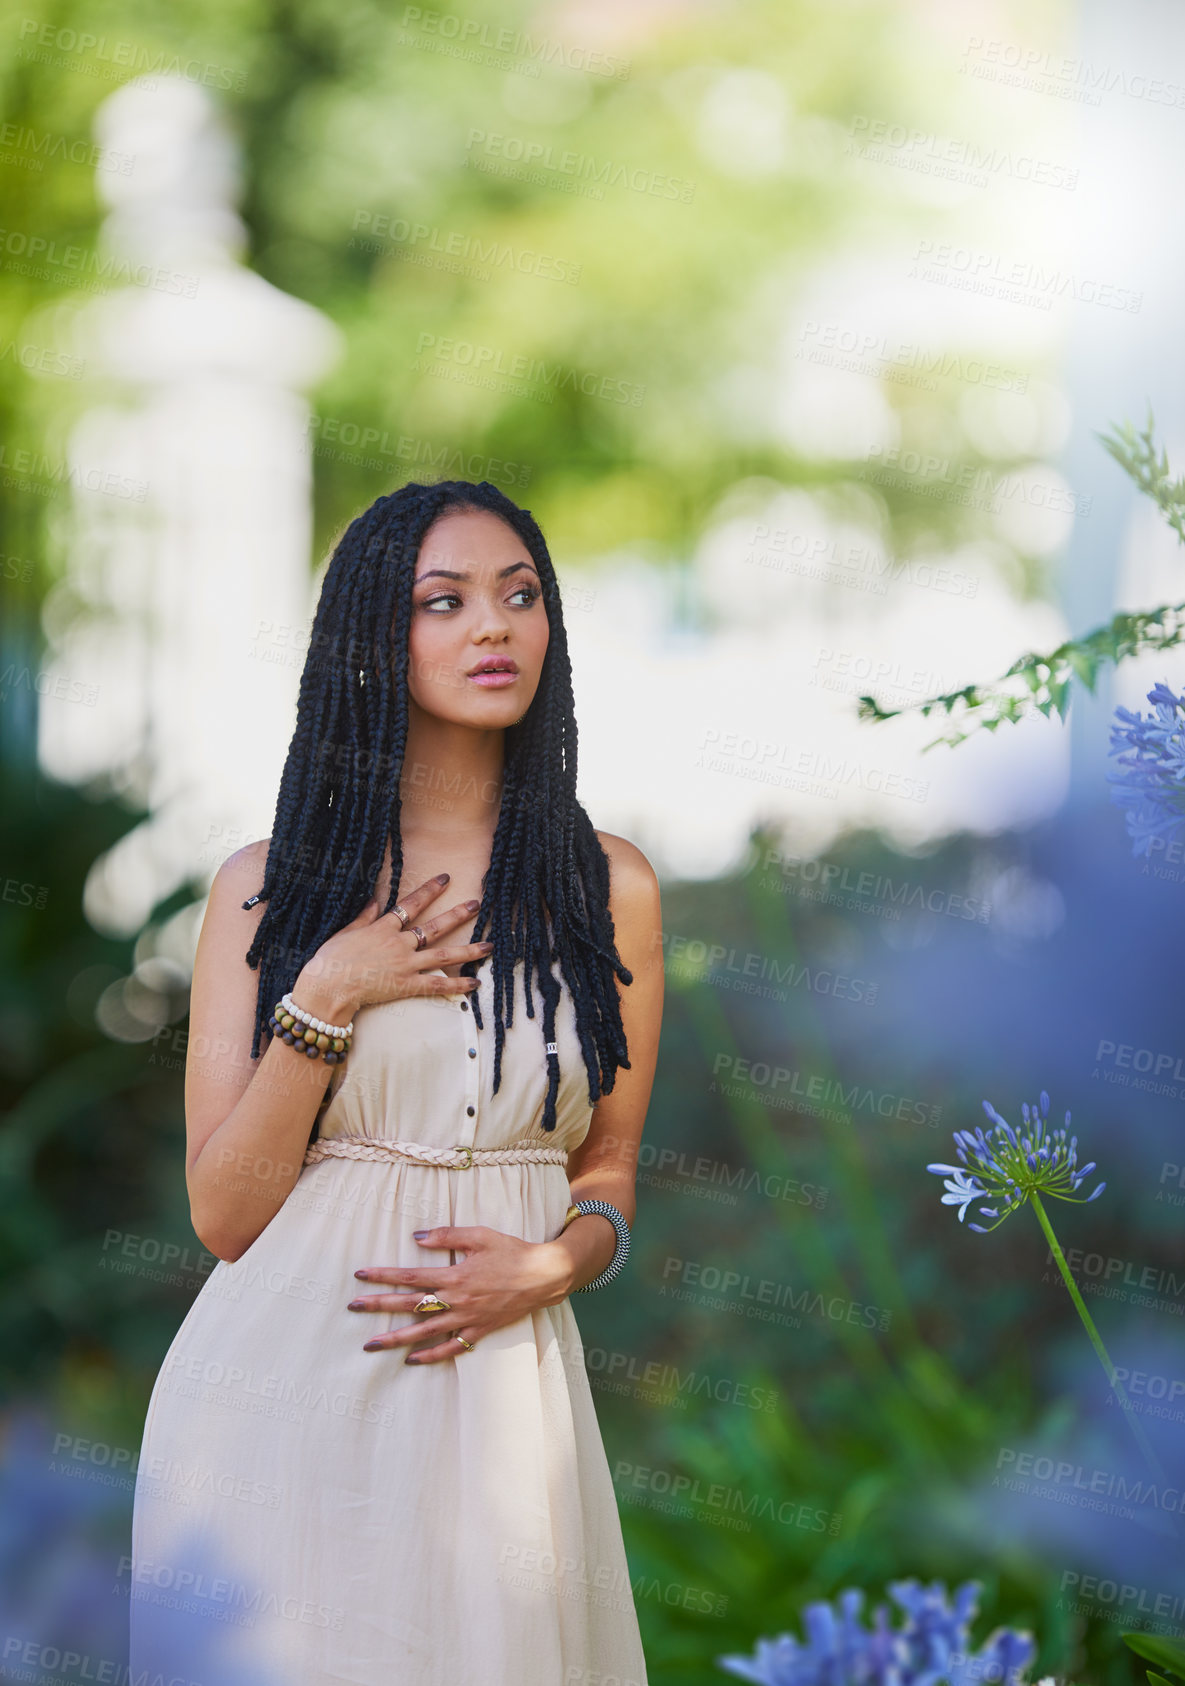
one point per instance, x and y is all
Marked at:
(500, 1279)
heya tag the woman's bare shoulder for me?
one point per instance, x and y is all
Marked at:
(247, 862)
(630, 872)
(238, 878)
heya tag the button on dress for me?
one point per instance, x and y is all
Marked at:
(308, 1513)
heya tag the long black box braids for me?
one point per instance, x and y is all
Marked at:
(545, 894)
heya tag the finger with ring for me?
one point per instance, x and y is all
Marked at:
(435, 1325)
(441, 1350)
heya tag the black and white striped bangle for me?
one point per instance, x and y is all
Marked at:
(620, 1252)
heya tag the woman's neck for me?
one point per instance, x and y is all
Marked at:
(450, 798)
(451, 779)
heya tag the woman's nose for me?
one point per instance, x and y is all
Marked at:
(490, 619)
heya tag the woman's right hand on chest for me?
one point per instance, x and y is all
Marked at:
(375, 958)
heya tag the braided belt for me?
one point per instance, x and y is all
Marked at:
(444, 1158)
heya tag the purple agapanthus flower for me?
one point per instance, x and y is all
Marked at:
(1151, 784)
(932, 1646)
(1006, 1165)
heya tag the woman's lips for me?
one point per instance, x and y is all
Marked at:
(493, 678)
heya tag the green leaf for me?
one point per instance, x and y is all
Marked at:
(1168, 1653)
(1044, 683)
(1085, 664)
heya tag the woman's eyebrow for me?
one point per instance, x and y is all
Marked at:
(448, 574)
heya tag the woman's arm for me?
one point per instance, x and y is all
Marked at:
(604, 1166)
(247, 1121)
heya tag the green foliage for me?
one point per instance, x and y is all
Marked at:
(92, 1145)
(1136, 454)
(884, 1440)
(1044, 683)
(1166, 1653)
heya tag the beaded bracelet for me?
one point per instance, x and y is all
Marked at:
(317, 1024)
(620, 1252)
(300, 1031)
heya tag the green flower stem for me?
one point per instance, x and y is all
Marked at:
(1096, 1339)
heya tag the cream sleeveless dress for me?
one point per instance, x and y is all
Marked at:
(308, 1513)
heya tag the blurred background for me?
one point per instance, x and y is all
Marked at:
(795, 327)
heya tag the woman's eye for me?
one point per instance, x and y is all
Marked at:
(446, 599)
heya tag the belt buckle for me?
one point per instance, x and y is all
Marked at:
(460, 1147)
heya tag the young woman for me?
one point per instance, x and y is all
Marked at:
(371, 1454)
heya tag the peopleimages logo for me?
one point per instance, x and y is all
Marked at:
(126, 57)
(1125, 1054)
(800, 1086)
(669, 1380)
(1123, 1280)
(1044, 72)
(837, 883)
(341, 438)
(253, 1601)
(726, 1502)
(1129, 1600)
(504, 41)
(436, 355)
(758, 974)
(1156, 1071)
(1095, 1483)
(51, 260)
(1023, 280)
(598, 172)
(810, 770)
(767, 1292)
(850, 347)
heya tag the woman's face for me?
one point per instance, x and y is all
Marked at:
(479, 630)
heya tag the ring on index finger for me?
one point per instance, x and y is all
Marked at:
(401, 914)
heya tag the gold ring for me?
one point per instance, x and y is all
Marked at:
(467, 1164)
(430, 1302)
(468, 1345)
